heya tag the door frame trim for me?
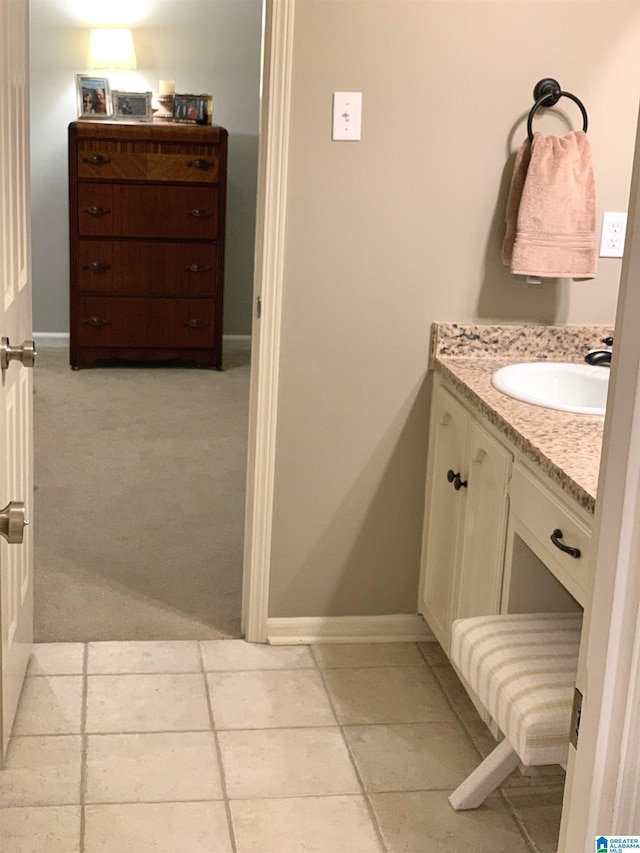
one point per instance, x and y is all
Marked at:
(277, 63)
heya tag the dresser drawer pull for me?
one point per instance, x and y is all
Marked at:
(95, 321)
(201, 212)
(97, 160)
(96, 210)
(201, 164)
(196, 324)
(97, 266)
(556, 536)
(198, 268)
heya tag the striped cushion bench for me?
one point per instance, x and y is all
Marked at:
(522, 668)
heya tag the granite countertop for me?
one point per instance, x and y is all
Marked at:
(565, 446)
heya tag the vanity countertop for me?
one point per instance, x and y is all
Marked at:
(565, 446)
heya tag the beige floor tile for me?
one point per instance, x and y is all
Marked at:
(151, 768)
(157, 828)
(434, 653)
(420, 821)
(313, 825)
(42, 771)
(146, 703)
(120, 658)
(412, 757)
(287, 763)
(402, 695)
(40, 830)
(220, 655)
(263, 699)
(455, 692)
(56, 659)
(50, 705)
(539, 812)
(332, 655)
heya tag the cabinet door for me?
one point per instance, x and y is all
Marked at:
(479, 579)
(444, 513)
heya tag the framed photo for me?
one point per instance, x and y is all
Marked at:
(94, 97)
(194, 109)
(132, 106)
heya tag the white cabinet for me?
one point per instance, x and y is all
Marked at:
(465, 519)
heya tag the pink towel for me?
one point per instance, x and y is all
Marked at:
(551, 211)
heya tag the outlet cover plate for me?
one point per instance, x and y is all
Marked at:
(614, 228)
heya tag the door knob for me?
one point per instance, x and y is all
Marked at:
(13, 522)
(26, 353)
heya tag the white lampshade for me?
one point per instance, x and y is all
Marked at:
(111, 48)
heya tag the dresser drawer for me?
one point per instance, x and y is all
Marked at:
(538, 509)
(140, 210)
(105, 160)
(138, 267)
(145, 322)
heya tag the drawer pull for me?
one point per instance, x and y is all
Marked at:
(196, 324)
(96, 210)
(201, 163)
(97, 266)
(201, 212)
(198, 268)
(454, 478)
(97, 160)
(556, 536)
(95, 321)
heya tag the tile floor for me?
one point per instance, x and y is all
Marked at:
(221, 746)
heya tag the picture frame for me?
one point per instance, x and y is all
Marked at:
(94, 97)
(192, 109)
(132, 106)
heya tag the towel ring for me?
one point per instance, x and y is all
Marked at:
(547, 93)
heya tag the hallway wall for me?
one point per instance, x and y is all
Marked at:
(208, 46)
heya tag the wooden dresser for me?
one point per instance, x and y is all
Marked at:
(147, 217)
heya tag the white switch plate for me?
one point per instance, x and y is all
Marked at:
(614, 228)
(347, 116)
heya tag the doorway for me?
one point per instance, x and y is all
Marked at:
(134, 546)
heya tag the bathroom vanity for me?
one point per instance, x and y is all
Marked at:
(511, 487)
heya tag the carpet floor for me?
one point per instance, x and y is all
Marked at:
(139, 502)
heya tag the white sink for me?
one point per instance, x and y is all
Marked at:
(568, 387)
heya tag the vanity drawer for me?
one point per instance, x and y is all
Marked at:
(541, 513)
(147, 210)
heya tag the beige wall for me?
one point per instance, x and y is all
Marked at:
(404, 228)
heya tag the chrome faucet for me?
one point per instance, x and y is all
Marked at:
(600, 356)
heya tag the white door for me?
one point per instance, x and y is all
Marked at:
(16, 391)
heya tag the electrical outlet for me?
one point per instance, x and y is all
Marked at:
(347, 116)
(614, 228)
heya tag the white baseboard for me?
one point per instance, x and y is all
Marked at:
(61, 339)
(397, 628)
(51, 339)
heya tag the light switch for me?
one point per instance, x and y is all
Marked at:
(347, 116)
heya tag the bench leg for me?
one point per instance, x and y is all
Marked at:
(486, 777)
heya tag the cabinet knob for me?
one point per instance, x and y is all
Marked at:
(201, 212)
(556, 536)
(95, 321)
(196, 324)
(96, 160)
(201, 163)
(97, 266)
(454, 478)
(198, 268)
(96, 210)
